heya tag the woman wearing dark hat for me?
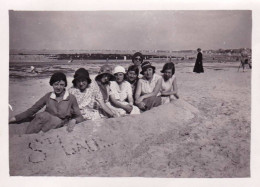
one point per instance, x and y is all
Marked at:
(61, 108)
(198, 68)
(148, 88)
(89, 96)
(169, 83)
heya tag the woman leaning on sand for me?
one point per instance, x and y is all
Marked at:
(169, 89)
(61, 108)
(148, 88)
(89, 96)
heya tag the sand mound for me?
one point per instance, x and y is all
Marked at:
(153, 144)
(93, 147)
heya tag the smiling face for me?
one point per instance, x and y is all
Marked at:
(131, 76)
(59, 87)
(82, 84)
(119, 77)
(167, 74)
(137, 60)
(148, 73)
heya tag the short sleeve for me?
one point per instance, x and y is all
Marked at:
(113, 88)
(97, 92)
(129, 90)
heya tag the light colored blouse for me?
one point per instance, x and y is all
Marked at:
(121, 92)
(167, 85)
(148, 86)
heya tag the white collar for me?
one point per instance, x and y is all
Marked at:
(65, 96)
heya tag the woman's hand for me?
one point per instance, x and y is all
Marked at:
(71, 125)
(128, 108)
(141, 105)
(177, 96)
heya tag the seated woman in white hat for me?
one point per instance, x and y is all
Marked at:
(120, 95)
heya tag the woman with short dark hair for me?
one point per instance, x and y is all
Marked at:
(61, 108)
(169, 83)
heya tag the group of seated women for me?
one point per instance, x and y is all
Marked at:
(114, 93)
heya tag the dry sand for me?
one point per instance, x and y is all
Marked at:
(206, 133)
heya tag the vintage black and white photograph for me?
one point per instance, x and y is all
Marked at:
(163, 93)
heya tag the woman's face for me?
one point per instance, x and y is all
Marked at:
(104, 79)
(119, 77)
(131, 75)
(82, 84)
(148, 74)
(167, 74)
(137, 61)
(59, 87)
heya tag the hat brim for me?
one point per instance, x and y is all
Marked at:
(110, 76)
(145, 68)
(81, 78)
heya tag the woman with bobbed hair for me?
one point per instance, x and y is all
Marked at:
(61, 108)
(169, 83)
(89, 96)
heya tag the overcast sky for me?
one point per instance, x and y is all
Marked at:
(130, 30)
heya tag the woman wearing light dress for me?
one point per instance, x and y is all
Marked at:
(169, 83)
(147, 93)
(121, 96)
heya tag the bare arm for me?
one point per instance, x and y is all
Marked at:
(174, 90)
(105, 108)
(138, 92)
(130, 95)
(128, 108)
(155, 90)
(75, 108)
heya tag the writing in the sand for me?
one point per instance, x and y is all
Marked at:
(40, 147)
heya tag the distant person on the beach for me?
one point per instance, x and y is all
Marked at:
(169, 83)
(244, 59)
(121, 96)
(198, 68)
(103, 81)
(148, 88)
(138, 59)
(33, 70)
(61, 108)
(132, 77)
(89, 96)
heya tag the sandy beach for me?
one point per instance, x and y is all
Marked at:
(206, 133)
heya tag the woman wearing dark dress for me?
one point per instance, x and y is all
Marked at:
(198, 68)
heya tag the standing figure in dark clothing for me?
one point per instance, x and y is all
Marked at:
(198, 68)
